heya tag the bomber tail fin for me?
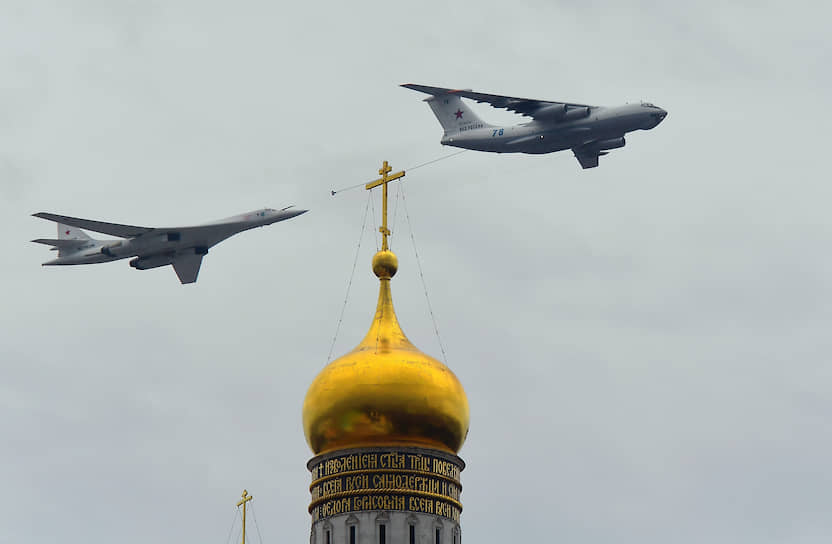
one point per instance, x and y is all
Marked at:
(65, 232)
(70, 240)
(454, 115)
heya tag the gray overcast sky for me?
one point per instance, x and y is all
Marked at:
(644, 345)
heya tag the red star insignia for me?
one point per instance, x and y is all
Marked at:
(458, 114)
(67, 232)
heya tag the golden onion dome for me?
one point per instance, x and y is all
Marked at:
(385, 392)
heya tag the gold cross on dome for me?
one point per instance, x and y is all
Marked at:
(383, 181)
(243, 501)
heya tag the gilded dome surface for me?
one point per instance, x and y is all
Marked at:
(385, 392)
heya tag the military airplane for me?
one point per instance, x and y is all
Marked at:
(589, 131)
(181, 247)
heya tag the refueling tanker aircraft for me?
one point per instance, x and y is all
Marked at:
(589, 131)
(181, 247)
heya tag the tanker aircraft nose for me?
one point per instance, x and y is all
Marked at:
(656, 117)
(660, 115)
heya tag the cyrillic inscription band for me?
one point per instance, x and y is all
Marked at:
(360, 503)
(392, 460)
(387, 480)
(390, 481)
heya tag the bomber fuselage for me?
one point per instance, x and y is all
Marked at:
(173, 240)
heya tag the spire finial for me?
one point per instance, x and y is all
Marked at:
(383, 181)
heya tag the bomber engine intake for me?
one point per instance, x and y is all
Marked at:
(111, 250)
(153, 261)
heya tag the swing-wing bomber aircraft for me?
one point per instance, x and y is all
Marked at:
(180, 247)
(589, 131)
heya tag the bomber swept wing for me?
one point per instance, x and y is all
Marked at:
(113, 229)
(132, 231)
(181, 247)
(537, 109)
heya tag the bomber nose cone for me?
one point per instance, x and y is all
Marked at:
(293, 213)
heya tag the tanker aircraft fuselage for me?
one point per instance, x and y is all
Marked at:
(589, 131)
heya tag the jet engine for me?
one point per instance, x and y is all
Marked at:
(552, 111)
(612, 143)
(575, 114)
(111, 250)
(153, 261)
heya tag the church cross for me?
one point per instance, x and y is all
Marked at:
(243, 501)
(383, 181)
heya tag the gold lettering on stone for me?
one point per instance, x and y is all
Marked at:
(419, 504)
(385, 502)
(392, 460)
(419, 462)
(357, 482)
(397, 461)
(385, 481)
(445, 468)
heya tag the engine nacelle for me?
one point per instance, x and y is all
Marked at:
(154, 261)
(612, 143)
(575, 114)
(112, 250)
(552, 111)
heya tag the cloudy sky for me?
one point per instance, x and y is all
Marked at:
(644, 345)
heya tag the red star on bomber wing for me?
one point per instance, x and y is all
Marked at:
(458, 114)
